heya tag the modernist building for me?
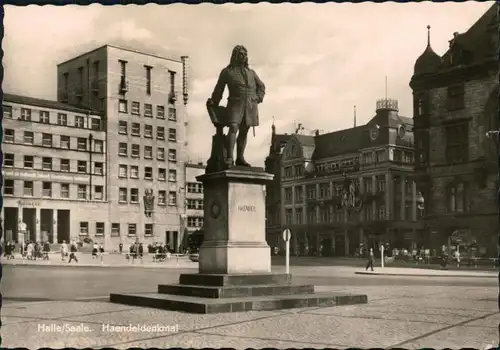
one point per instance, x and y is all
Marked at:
(55, 166)
(194, 197)
(455, 105)
(347, 187)
(143, 99)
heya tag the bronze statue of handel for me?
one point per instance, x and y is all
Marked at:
(246, 91)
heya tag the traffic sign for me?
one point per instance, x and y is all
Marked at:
(22, 227)
(287, 235)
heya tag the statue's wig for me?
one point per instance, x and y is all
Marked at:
(234, 56)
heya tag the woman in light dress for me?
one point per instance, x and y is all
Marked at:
(64, 250)
(30, 250)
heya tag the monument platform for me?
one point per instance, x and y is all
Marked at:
(212, 293)
(235, 259)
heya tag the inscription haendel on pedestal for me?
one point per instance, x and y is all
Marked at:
(247, 208)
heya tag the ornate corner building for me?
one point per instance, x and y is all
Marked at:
(104, 161)
(338, 190)
(455, 105)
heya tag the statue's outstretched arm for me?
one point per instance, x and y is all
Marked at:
(261, 88)
(219, 88)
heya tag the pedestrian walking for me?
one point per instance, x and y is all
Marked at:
(133, 252)
(120, 247)
(457, 257)
(64, 250)
(101, 251)
(371, 258)
(31, 251)
(46, 250)
(140, 250)
(95, 249)
(73, 250)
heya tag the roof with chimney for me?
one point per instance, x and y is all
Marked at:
(474, 41)
(474, 46)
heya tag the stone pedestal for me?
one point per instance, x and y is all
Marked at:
(234, 224)
(235, 260)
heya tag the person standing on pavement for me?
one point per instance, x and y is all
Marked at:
(95, 248)
(140, 250)
(371, 258)
(457, 257)
(46, 250)
(73, 250)
(120, 247)
(64, 250)
(101, 251)
(133, 252)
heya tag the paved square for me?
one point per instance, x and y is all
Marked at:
(401, 316)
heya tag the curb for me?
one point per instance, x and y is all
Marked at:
(101, 266)
(417, 275)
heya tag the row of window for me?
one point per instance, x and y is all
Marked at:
(135, 152)
(49, 190)
(55, 164)
(148, 131)
(48, 140)
(194, 187)
(329, 214)
(45, 117)
(115, 229)
(455, 100)
(148, 69)
(322, 190)
(194, 204)
(132, 172)
(195, 221)
(379, 156)
(131, 195)
(456, 146)
(135, 109)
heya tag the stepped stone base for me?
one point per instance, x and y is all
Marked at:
(207, 293)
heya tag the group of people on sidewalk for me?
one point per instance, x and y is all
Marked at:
(135, 251)
(73, 249)
(29, 250)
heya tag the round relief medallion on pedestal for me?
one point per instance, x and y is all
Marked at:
(215, 209)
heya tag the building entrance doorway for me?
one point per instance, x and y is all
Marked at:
(10, 223)
(46, 225)
(29, 218)
(339, 245)
(63, 226)
(172, 240)
(327, 246)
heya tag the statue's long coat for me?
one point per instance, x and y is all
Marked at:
(245, 93)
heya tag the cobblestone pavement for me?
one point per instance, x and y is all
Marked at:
(395, 316)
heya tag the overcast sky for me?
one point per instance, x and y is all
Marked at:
(317, 60)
